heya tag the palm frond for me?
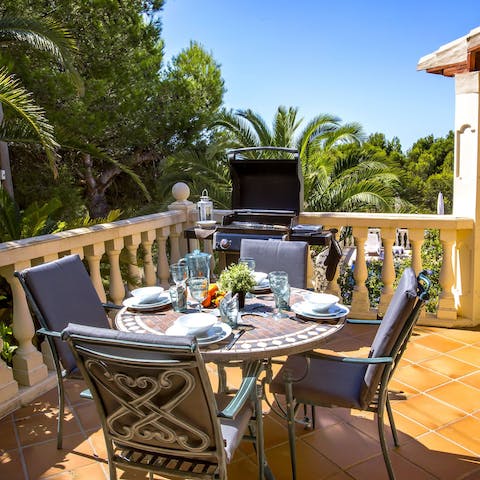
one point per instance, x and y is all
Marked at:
(44, 34)
(259, 126)
(19, 100)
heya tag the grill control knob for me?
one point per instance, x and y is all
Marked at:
(225, 243)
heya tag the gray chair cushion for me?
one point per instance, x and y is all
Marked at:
(394, 321)
(233, 429)
(272, 255)
(329, 383)
(64, 294)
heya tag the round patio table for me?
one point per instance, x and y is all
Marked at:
(264, 337)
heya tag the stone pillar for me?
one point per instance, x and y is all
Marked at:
(28, 366)
(163, 271)
(466, 192)
(148, 268)
(117, 289)
(93, 254)
(181, 192)
(388, 268)
(131, 244)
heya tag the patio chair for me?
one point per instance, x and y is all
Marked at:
(360, 383)
(270, 255)
(57, 293)
(157, 407)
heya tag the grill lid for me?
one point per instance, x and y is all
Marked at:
(266, 183)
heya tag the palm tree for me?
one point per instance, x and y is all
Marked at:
(339, 175)
(23, 121)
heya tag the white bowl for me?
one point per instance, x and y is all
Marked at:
(259, 277)
(146, 291)
(196, 323)
(321, 302)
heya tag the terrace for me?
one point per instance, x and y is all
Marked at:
(438, 377)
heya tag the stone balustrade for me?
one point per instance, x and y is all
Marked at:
(158, 240)
(133, 238)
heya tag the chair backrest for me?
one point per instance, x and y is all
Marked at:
(394, 331)
(271, 255)
(59, 293)
(152, 392)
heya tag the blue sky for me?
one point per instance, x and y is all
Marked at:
(353, 59)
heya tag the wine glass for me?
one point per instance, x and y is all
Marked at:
(250, 263)
(281, 291)
(198, 289)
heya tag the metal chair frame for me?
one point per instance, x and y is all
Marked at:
(199, 463)
(381, 401)
(44, 332)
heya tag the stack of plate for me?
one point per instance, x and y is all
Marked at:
(262, 285)
(203, 326)
(147, 299)
(307, 310)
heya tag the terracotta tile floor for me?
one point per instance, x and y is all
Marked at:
(436, 400)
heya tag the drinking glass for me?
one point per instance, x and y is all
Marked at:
(198, 289)
(281, 291)
(250, 263)
(178, 295)
(178, 272)
(229, 309)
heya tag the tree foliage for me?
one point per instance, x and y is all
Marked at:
(135, 110)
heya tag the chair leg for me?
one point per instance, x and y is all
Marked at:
(392, 422)
(61, 413)
(291, 426)
(383, 443)
(259, 444)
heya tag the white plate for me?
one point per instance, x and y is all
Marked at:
(259, 277)
(145, 291)
(216, 333)
(261, 286)
(132, 302)
(305, 309)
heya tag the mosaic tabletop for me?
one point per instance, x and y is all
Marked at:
(264, 336)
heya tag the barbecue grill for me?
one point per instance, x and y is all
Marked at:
(267, 197)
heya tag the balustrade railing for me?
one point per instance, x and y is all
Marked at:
(157, 240)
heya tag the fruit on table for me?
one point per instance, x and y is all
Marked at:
(214, 296)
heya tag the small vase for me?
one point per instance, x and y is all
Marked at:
(241, 300)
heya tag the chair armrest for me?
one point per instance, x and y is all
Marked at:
(338, 358)
(244, 392)
(49, 333)
(111, 306)
(355, 321)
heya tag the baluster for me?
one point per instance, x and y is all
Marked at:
(162, 264)
(28, 366)
(148, 267)
(117, 289)
(416, 237)
(446, 303)
(175, 231)
(93, 254)
(131, 244)
(360, 300)
(8, 386)
(388, 268)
